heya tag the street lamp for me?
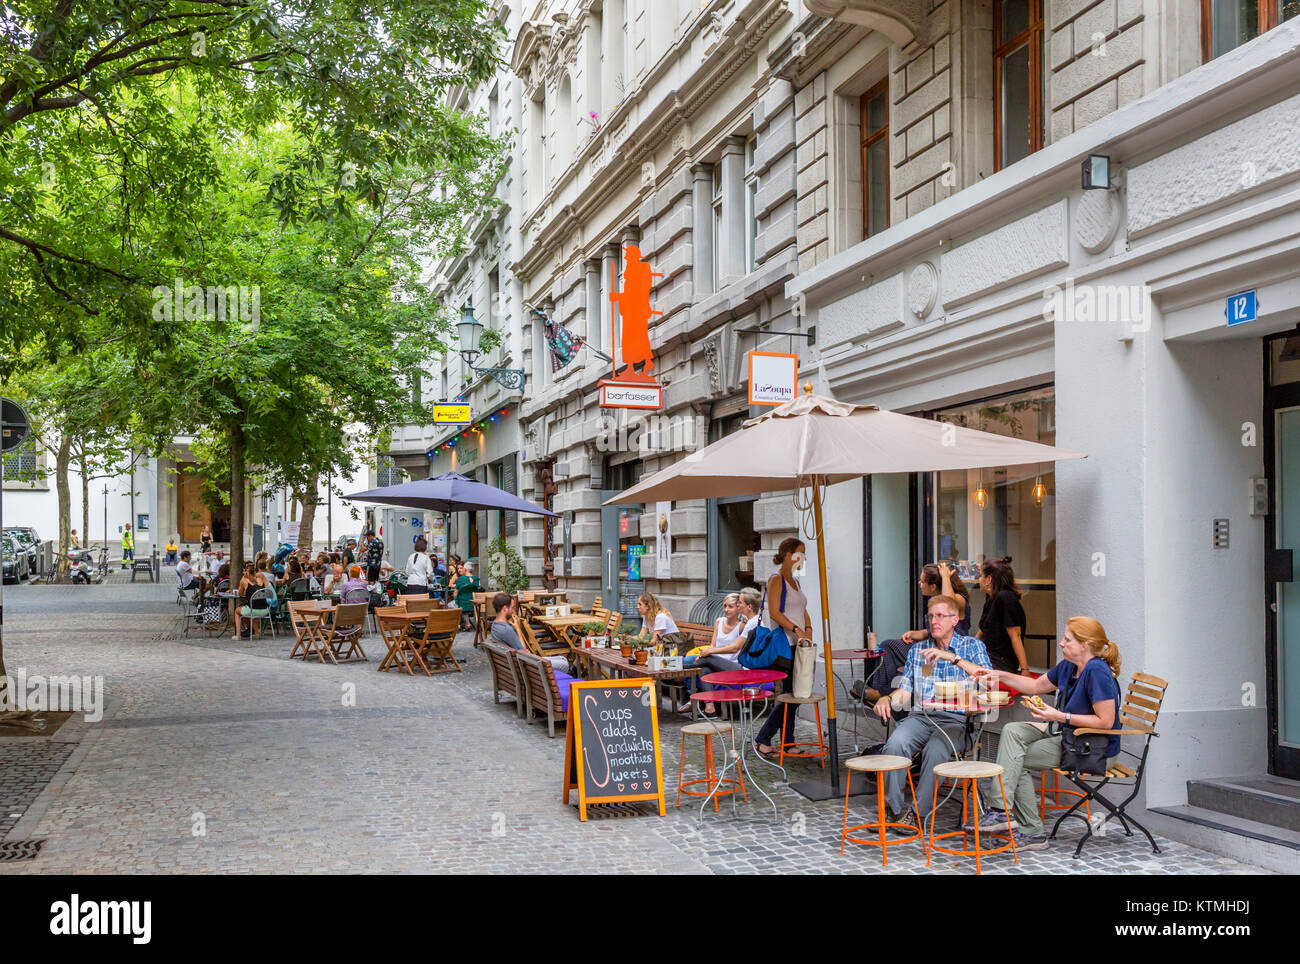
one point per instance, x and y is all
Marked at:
(468, 331)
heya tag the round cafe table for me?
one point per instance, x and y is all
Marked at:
(748, 678)
(744, 700)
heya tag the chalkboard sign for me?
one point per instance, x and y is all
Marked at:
(611, 754)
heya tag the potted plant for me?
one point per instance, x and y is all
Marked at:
(593, 634)
(642, 650)
(626, 643)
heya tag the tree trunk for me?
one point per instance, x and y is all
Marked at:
(237, 486)
(62, 459)
(306, 526)
(85, 502)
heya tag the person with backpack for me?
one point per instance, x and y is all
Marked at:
(787, 609)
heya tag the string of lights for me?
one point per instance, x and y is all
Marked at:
(476, 428)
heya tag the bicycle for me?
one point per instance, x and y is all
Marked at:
(102, 566)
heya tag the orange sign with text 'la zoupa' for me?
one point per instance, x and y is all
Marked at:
(631, 386)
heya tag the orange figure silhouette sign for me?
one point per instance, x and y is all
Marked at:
(633, 304)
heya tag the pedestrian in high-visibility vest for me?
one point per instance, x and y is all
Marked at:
(128, 545)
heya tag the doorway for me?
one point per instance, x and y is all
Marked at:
(1281, 541)
(621, 550)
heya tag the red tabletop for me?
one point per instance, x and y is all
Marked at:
(728, 696)
(857, 653)
(743, 677)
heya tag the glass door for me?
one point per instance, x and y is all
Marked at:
(1284, 733)
(621, 550)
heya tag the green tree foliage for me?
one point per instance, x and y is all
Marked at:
(108, 112)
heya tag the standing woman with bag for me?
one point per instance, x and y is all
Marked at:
(787, 608)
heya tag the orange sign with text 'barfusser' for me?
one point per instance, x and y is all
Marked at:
(631, 385)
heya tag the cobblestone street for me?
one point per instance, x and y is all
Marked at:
(224, 755)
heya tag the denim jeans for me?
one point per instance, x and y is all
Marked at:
(921, 734)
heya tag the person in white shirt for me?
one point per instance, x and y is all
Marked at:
(419, 568)
(732, 631)
(185, 572)
(658, 622)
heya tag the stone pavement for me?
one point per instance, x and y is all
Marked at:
(224, 755)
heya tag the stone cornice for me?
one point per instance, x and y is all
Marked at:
(902, 21)
(793, 57)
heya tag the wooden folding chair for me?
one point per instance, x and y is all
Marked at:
(1138, 714)
(433, 646)
(534, 645)
(304, 639)
(615, 620)
(345, 630)
(393, 631)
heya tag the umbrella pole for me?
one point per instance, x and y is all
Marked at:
(831, 728)
(817, 789)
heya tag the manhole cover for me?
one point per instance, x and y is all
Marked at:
(19, 849)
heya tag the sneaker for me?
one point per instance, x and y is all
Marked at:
(991, 821)
(1024, 841)
(905, 816)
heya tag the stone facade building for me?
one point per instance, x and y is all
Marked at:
(894, 192)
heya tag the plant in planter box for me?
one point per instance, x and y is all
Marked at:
(627, 643)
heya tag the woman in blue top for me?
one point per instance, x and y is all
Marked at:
(1088, 697)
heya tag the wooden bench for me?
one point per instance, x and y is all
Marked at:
(543, 691)
(701, 635)
(506, 676)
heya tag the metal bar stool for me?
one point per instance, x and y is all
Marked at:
(967, 773)
(713, 786)
(796, 701)
(879, 764)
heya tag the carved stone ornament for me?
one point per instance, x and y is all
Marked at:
(922, 289)
(1096, 219)
(712, 357)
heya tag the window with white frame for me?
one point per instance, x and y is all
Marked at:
(751, 203)
(718, 226)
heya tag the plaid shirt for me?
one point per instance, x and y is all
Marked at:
(965, 647)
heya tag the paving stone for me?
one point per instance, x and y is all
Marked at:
(411, 779)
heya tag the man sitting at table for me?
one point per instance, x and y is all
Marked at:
(937, 734)
(189, 581)
(502, 632)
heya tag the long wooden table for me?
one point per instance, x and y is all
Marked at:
(616, 666)
(562, 626)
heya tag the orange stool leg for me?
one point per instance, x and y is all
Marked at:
(785, 719)
(916, 811)
(681, 765)
(821, 747)
(934, 805)
(844, 831)
(971, 785)
(880, 815)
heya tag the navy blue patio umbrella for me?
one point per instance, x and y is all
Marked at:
(449, 492)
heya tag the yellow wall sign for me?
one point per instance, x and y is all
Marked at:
(451, 415)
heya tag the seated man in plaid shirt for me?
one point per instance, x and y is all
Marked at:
(936, 733)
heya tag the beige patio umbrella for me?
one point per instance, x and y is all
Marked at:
(814, 441)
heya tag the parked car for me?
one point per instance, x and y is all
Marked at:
(16, 567)
(26, 539)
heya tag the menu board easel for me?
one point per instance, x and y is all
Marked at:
(611, 750)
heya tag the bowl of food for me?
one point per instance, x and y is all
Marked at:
(994, 698)
(947, 689)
